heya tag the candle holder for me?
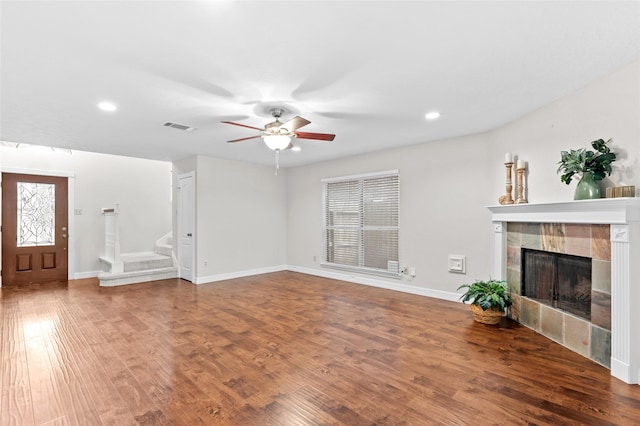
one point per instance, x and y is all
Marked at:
(507, 199)
(521, 199)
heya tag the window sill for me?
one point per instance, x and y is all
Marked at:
(367, 271)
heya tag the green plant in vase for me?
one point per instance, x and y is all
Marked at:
(592, 165)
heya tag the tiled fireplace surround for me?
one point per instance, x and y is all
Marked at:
(588, 338)
(606, 230)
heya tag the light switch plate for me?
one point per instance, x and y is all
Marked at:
(457, 263)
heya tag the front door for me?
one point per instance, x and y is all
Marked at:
(34, 228)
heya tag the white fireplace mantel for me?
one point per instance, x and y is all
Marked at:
(603, 210)
(623, 214)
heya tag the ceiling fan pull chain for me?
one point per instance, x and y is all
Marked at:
(277, 161)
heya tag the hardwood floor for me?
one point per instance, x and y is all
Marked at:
(283, 349)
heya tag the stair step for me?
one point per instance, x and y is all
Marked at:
(144, 261)
(111, 279)
(164, 249)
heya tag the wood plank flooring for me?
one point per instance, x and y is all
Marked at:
(283, 349)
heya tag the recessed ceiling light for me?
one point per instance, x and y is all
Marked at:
(107, 106)
(432, 115)
(296, 148)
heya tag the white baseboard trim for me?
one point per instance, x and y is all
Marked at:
(373, 282)
(239, 274)
(83, 275)
(405, 288)
(624, 371)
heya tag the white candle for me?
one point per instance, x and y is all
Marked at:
(520, 164)
(508, 158)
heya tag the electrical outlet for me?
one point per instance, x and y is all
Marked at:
(457, 263)
(77, 212)
(206, 263)
(412, 272)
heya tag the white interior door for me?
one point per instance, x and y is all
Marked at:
(186, 219)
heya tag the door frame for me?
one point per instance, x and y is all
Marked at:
(179, 213)
(71, 182)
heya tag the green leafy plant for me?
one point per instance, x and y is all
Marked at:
(597, 162)
(487, 294)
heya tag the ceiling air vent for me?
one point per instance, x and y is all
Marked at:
(179, 126)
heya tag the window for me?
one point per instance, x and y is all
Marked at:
(361, 226)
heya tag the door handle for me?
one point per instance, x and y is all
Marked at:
(64, 235)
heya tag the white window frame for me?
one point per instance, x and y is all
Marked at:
(394, 272)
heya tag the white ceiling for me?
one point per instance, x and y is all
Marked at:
(366, 71)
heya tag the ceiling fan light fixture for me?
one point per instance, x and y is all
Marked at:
(277, 142)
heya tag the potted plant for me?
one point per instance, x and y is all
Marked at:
(489, 300)
(593, 165)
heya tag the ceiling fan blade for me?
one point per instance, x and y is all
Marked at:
(243, 125)
(295, 123)
(244, 139)
(317, 136)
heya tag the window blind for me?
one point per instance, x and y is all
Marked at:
(361, 222)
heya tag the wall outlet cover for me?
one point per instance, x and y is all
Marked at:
(457, 263)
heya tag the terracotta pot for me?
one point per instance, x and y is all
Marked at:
(490, 316)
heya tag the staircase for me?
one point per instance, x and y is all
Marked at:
(131, 268)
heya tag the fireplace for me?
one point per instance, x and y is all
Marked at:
(560, 280)
(559, 275)
(612, 336)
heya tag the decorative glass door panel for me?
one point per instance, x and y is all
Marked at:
(36, 214)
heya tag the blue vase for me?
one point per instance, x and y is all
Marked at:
(587, 188)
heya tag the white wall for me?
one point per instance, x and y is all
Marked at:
(240, 217)
(445, 184)
(141, 187)
(607, 108)
(443, 188)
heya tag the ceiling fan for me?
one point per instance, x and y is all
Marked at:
(278, 135)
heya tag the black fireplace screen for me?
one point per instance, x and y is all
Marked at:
(559, 280)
